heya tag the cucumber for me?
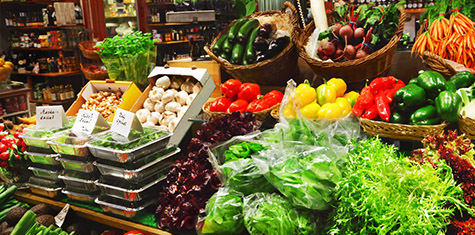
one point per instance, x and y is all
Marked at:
(218, 46)
(238, 51)
(227, 46)
(246, 29)
(233, 31)
(250, 54)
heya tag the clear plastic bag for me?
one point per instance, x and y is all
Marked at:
(266, 213)
(137, 67)
(241, 175)
(114, 68)
(223, 214)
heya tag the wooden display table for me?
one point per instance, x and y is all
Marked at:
(25, 196)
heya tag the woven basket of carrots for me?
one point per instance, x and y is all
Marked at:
(243, 97)
(446, 41)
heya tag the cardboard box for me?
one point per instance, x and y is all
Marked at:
(190, 16)
(130, 93)
(201, 75)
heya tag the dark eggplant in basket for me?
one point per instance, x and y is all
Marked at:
(260, 44)
(276, 46)
(267, 30)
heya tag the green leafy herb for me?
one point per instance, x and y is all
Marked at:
(383, 193)
(242, 150)
(136, 138)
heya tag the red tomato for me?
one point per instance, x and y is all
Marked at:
(238, 106)
(220, 105)
(3, 134)
(231, 88)
(4, 164)
(8, 141)
(3, 148)
(249, 92)
(258, 105)
(135, 232)
(274, 97)
(4, 156)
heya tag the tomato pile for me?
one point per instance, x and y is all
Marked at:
(11, 150)
(95, 69)
(244, 97)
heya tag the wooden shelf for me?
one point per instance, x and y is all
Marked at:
(14, 92)
(41, 49)
(171, 42)
(122, 224)
(178, 24)
(14, 114)
(415, 10)
(43, 27)
(159, 3)
(119, 17)
(39, 2)
(68, 101)
(50, 74)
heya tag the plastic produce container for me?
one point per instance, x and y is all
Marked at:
(86, 167)
(36, 137)
(72, 143)
(43, 158)
(79, 184)
(150, 165)
(44, 191)
(114, 147)
(79, 196)
(81, 175)
(43, 173)
(124, 211)
(45, 182)
(137, 194)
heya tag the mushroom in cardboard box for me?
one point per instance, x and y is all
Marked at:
(172, 98)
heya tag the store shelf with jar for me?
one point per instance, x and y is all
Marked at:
(120, 16)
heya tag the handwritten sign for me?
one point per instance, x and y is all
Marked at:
(124, 122)
(87, 120)
(51, 117)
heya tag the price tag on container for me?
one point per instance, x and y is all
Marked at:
(124, 122)
(51, 117)
(87, 120)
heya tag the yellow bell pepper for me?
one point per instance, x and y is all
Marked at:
(345, 105)
(352, 96)
(304, 94)
(339, 85)
(330, 111)
(310, 110)
(326, 94)
(289, 112)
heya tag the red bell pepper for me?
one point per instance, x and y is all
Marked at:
(257, 105)
(273, 97)
(382, 104)
(231, 88)
(364, 101)
(382, 83)
(371, 113)
(390, 94)
(220, 105)
(238, 106)
(249, 91)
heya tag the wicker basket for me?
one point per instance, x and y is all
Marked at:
(400, 131)
(90, 54)
(93, 76)
(274, 71)
(467, 126)
(261, 115)
(376, 64)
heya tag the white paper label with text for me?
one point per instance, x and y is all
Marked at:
(50, 117)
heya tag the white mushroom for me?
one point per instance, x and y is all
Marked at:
(172, 106)
(149, 104)
(142, 115)
(187, 86)
(156, 94)
(159, 107)
(163, 82)
(181, 97)
(154, 117)
(190, 98)
(197, 88)
(176, 83)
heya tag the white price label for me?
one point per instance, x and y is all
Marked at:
(87, 120)
(50, 117)
(124, 122)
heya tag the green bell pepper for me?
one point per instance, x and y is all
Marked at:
(425, 113)
(411, 95)
(432, 82)
(462, 79)
(397, 118)
(448, 105)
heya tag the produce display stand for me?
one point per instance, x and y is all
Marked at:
(98, 217)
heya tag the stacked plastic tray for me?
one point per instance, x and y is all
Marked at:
(131, 169)
(44, 165)
(79, 171)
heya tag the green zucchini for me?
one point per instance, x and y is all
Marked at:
(236, 56)
(27, 221)
(233, 31)
(218, 46)
(246, 29)
(227, 46)
(250, 54)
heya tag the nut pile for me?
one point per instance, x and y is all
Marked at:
(104, 102)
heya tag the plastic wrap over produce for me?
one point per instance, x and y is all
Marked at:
(236, 168)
